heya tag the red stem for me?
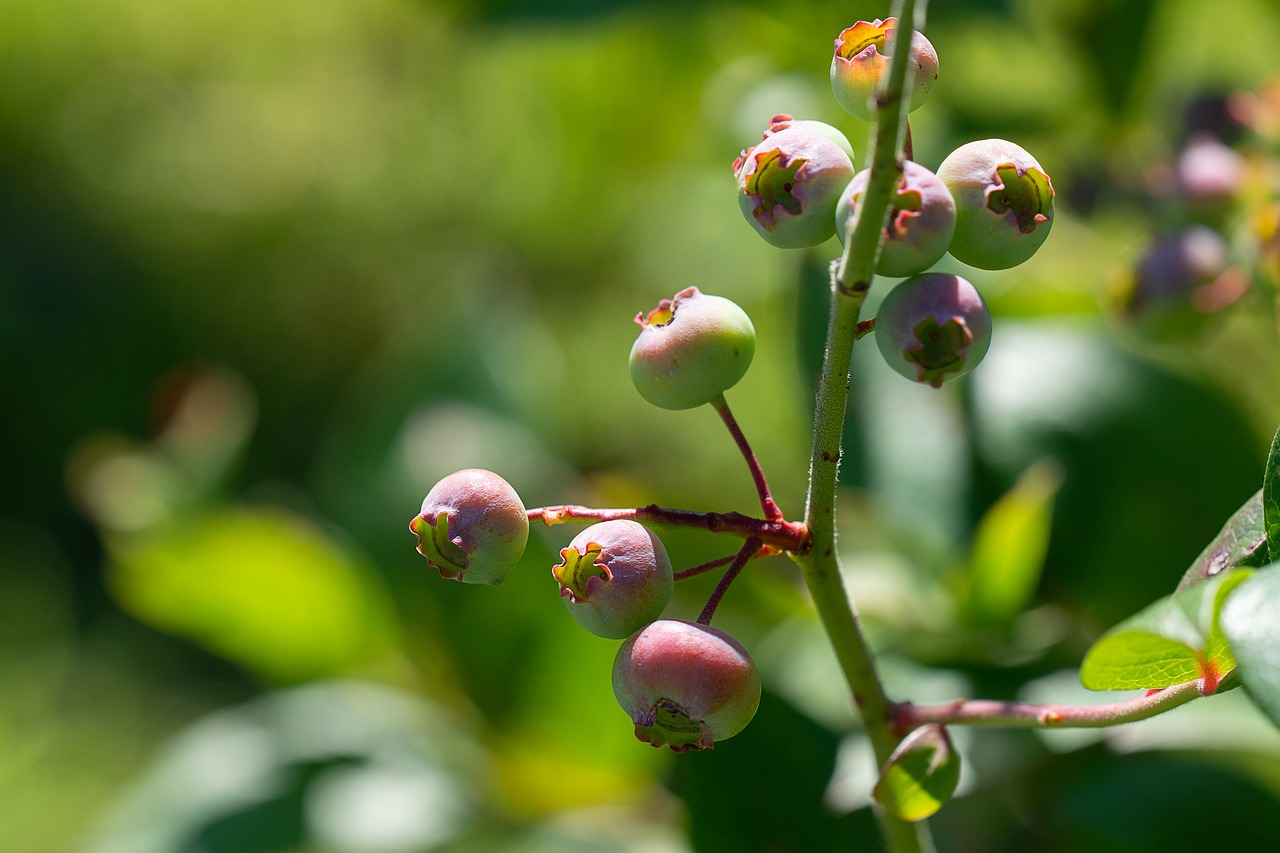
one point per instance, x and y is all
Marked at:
(749, 549)
(779, 534)
(701, 568)
(767, 504)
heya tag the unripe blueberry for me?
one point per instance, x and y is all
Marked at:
(685, 685)
(862, 58)
(691, 349)
(1180, 281)
(472, 527)
(615, 577)
(1004, 203)
(789, 183)
(920, 225)
(933, 328)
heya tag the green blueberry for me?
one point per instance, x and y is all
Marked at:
(1004, 203)
(472, 527)
(933, 328)
(685, 685)
(615, 577)
(691, 349)
(921, 223)
(789, 183)
(862, 58)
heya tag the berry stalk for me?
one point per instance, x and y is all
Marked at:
(779, 534)
(851, 279)
(767, 503)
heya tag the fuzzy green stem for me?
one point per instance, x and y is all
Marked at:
(851, 279)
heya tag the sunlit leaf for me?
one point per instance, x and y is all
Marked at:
(1271, 499)
(261, 587)
(1251, 622)
(1175, 640)
(920, 776)
(1010, 544)
(1241, 542)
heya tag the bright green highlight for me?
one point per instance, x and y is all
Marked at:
(920, 776)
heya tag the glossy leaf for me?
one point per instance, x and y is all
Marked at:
(1241, 542)
(1010, 544)
(920, 776)
(1251, 622)
(1175, 640)
(1271, 499)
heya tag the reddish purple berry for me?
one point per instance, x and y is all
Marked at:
(862, 58)
(1180, 282)
(1004, 203)
(933, 328)
(685, 685)
(691, 349)
(789, 183)
(615, 577)
(472, 527)
(920, 225)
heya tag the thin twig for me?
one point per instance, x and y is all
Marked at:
(767, 504)
(780, 534)
(749, 548)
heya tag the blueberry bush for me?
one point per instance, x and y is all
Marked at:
(929, 501)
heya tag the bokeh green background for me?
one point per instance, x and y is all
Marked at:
(269, 270)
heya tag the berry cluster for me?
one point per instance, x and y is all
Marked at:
(989, 204)
(685, 684)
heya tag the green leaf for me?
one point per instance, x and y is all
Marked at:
(263, 588)
(1175, 640)
(1010, 545)
(1251, 622)
(920, 776)
(1241, 542)
(1271, 499)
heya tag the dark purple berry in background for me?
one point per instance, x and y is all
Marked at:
(1179, 282)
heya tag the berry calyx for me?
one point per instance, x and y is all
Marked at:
(933, 328)
(472, 527)
(615, 577)
(862, 58)
(1004, 203)
(789, 183)
(691, 349)
(685, 685)
(920, 226)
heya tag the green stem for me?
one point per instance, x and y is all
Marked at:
(851, 279)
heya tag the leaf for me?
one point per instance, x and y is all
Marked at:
(1175, 640)
(1010, 545)
(263, 588)
(1271, 499)
(920, 776)
(1251, 622)
(1241, 542)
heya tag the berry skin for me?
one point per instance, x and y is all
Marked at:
(920, 226)
(691, 349)
(789, 183)
(685, 686)
(861, 60)
(1004, 203)
(472, 527)
(933, 328)
(615, 577)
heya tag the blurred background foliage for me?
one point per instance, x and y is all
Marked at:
(267, 271)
